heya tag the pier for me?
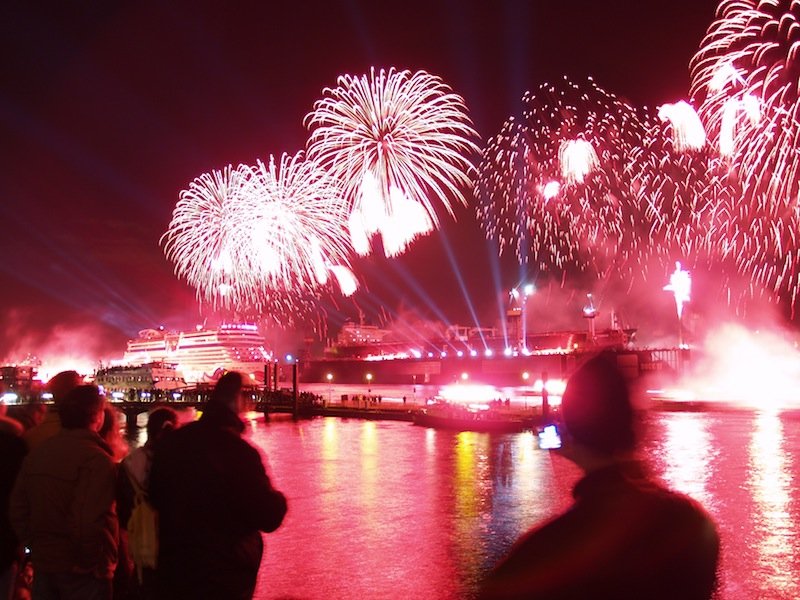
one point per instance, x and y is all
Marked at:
(269, 402)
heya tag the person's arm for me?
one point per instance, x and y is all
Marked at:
(261, 505)
(93, 510)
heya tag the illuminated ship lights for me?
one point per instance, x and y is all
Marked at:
(201, 353)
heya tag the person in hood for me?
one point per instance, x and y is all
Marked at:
(214, 498)
(626, 536)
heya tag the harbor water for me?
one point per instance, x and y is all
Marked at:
(383, 509)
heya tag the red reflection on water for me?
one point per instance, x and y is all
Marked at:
(771, 474)
(390, 510)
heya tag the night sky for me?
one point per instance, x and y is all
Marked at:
(109, 109)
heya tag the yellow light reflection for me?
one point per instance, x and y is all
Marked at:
(469, 464)
(330, 452)
(771, 476)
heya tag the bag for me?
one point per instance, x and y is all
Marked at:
(142, 529)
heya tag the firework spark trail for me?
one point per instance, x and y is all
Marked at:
(390, 135)
(201, 239)
(746, 76)
(534, 194)
(296, 223)
(751, 54)
(636, 196)
(685, 189)
(261, 238)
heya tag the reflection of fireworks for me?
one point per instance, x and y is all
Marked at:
(554, 183)
(394, 140)
(259, 238)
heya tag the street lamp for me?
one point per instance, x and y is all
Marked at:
(329, 377)
(590, 312)
(521, 298)
(369, 383)
(527, 293)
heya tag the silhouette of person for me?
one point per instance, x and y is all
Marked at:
(626, 536)
(62, 505)
(214, 499)
(12, 451)
(59, 386)
(134, 474)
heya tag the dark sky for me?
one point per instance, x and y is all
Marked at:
(109, 109)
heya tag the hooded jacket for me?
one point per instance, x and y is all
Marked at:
(214, 499)
(625, 537)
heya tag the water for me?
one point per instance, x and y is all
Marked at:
(390, 510)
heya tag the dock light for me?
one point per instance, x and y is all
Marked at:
(289, 358)
(488, 353)
(430, 354)
(443, 354)
(526, 375)
(464, 376)
(508, 352)
(459, 354)
(473, 353)
(329, 377)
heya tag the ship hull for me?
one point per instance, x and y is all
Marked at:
(473, 422)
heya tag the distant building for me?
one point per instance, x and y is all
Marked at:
(18, 379)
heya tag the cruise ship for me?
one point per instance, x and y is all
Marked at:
(201, 354)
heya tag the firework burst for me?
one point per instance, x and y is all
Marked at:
(260, 238)
(682, 188)
(399, 143)
(746, 75)
(553, 186)
(586, 183)
(746, 78)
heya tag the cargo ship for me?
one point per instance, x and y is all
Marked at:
(369, 355)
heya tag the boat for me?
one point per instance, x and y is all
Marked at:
(122, 380)
(441, 355)
(202, 354)
(455, 417)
